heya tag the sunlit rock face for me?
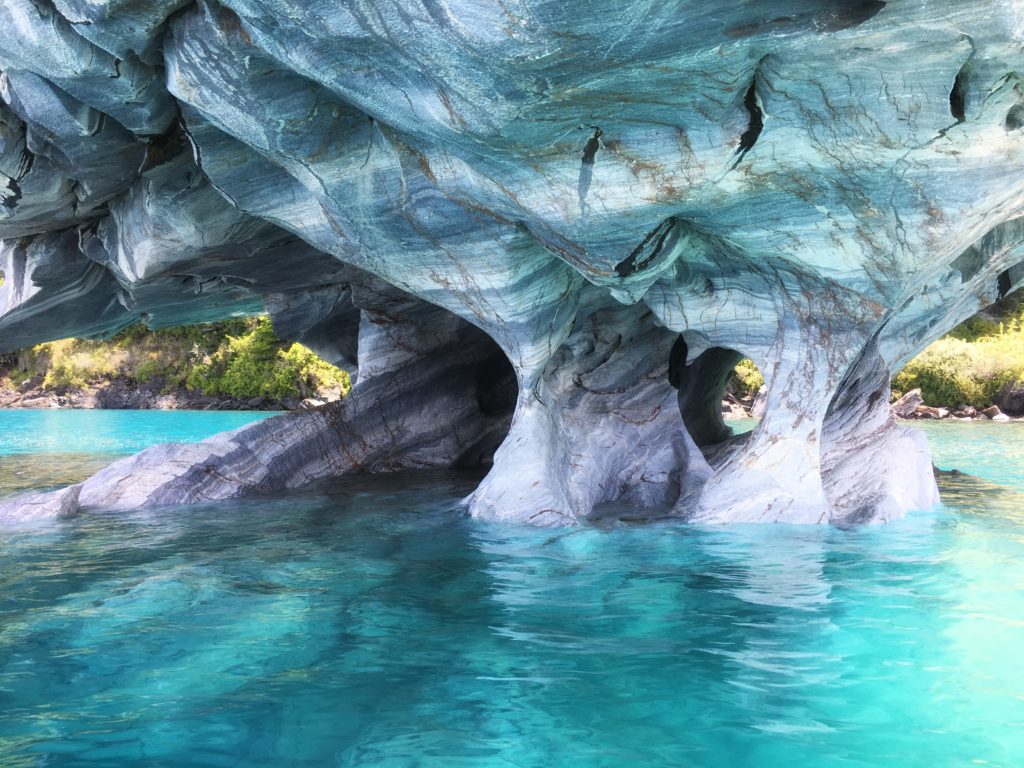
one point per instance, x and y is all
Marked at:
(618, 199)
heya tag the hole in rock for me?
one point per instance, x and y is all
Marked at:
(590, 150)
(1015, 117)
(587, 168)
(716, 381)
(650, 248)
(164, 148)
(958, 95)
(495, 389)
(969, 263)
(756, 123)
(1003, 283)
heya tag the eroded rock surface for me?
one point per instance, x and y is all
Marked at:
(558, 221)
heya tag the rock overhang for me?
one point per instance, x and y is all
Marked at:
(822, 190)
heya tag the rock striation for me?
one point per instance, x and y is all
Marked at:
(537, 233)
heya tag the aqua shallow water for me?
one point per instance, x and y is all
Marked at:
(369, 624)
(45, 448)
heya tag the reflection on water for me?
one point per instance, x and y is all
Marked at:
(368, 623)
(25, 472)
(110, 432)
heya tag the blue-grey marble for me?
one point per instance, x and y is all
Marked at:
(601, 203)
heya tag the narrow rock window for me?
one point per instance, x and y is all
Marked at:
(752, 104)
(717, 383)
(648, 250)
(587, 168)
(958, 95)
(1003, 283)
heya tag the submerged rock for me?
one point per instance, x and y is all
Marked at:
(536, 226)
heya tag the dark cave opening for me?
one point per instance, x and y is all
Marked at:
(755, 124)
(1015, 118)
(958, 96)
(702, 384)
(1003, 283)
(496, 386)
(495, 390)
(649, 248)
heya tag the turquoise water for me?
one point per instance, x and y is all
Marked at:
(48, 448)
(368, 623)
(110, 432)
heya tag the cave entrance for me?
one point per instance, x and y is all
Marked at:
(492, 383)
(496, 390)
(718, 382)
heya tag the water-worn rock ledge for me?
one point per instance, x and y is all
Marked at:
(538, 234)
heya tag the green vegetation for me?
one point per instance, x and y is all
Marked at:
(969, 366)
(238, 358)
(746, 378)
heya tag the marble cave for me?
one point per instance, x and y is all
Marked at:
(538, 234)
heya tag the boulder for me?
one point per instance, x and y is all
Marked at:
(906, 406)
(1011, 399)
(928, 412)
(992, 412)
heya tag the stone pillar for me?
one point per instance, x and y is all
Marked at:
(601, 424)
(873, 468)
(776, 475)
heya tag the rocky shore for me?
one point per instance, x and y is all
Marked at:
(123, 395)
(911, 406)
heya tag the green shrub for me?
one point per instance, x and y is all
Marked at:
(71, 364)
(975, 328)
(747, 379)
(239, 358)
(256, 365)
(953, 371)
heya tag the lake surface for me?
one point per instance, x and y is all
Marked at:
(368, 623)
(57, 447)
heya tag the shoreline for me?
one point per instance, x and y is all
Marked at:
(120, 395)
(908, 408)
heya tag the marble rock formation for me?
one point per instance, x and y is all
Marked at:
(538, 234)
